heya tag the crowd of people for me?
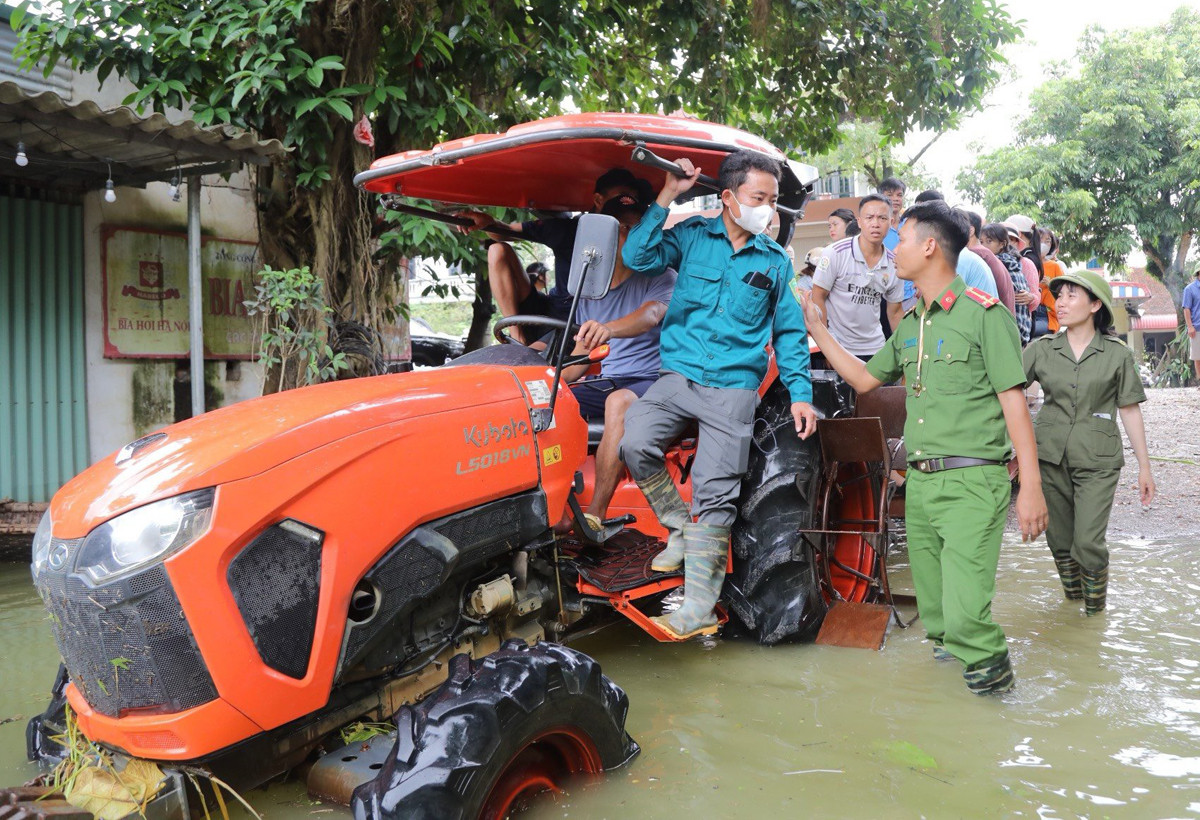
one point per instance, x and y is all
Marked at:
(1014, 261)
(966, 314)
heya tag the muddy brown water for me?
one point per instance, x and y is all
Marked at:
(1104, 722)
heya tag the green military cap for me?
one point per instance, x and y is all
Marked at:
(1090, 281)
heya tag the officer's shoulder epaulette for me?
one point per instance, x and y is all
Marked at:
(981, 296)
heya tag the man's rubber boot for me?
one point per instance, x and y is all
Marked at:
(1068, 573)
(672, 513)
(706, 551)
(991, 677)
(1095, 591)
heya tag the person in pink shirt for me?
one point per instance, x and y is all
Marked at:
(1030, 259)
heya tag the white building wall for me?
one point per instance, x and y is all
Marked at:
(128, 398)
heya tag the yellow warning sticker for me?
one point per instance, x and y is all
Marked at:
(552, 455)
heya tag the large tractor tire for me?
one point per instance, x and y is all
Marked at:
(519, 722)
(775, 595)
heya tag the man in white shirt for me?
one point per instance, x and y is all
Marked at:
(854, 276)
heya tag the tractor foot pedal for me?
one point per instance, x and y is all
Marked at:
(593, 530)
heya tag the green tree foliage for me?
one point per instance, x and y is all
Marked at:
(1110, 156)
(863, 148)
(306, 71)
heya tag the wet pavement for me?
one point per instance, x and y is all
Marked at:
(1104, 722)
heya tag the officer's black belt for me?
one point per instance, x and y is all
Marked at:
(936, 465)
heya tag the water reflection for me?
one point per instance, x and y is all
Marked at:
(1103, 722)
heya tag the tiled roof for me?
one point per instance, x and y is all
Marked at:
(1160, 298)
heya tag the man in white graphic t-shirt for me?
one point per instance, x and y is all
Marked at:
(854, 275)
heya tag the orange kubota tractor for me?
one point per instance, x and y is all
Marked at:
(232, 590)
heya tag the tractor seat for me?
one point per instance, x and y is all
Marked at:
(595, 433)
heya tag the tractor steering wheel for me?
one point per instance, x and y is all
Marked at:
(522, 320)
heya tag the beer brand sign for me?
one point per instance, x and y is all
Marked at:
(146, 295)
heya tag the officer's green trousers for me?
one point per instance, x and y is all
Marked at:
(955, 519)
(1079, 500)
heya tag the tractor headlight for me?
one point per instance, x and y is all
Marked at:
(41, 544)
(144, 535)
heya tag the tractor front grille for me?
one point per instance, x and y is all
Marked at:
(126, 644)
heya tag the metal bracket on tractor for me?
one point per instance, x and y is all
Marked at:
(618, 574)
(38, 803)
(856, 457)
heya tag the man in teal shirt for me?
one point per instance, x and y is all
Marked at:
(731, 300)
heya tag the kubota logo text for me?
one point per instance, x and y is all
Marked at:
(490, 433)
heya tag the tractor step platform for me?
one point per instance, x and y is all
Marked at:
(620, 564)
(618, 572)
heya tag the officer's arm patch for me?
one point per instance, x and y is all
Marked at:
(982, 297)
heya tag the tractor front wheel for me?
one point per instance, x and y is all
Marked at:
(502, 730)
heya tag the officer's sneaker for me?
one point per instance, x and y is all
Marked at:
(991, 677)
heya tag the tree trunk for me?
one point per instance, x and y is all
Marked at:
(1177, 279)
(482, 310)
(330, 227)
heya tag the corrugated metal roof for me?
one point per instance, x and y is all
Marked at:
(34, 81)
(73, 145)
(1157, 321)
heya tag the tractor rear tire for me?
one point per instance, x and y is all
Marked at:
(774, 594)
(502, 729)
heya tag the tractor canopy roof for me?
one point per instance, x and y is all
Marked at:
(553, 164)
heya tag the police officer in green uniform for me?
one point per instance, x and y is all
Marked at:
(1088, 377)
(960, 357)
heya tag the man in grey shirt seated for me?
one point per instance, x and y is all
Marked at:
(629, 319)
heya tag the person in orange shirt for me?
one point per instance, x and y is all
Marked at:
(1053, 269)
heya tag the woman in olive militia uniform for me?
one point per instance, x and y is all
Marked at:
(1088, 377)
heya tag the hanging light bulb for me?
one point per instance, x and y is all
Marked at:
(174, 189)
(21, 159)
(109, 194)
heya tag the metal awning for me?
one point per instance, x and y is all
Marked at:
(80, 147)
(1130, 292)
(1155, 322)
(72, 146)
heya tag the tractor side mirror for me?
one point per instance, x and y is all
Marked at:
(595, 247)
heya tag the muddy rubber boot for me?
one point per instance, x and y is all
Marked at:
(1095, 591)
(706, 550)
(992, 677)
(672, 513)
(1068, 573)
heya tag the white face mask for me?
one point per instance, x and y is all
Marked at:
(1045, 249)
(754, 219)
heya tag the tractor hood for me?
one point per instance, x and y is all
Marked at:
(254, 436)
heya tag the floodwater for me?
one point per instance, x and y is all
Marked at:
(1104, 722)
